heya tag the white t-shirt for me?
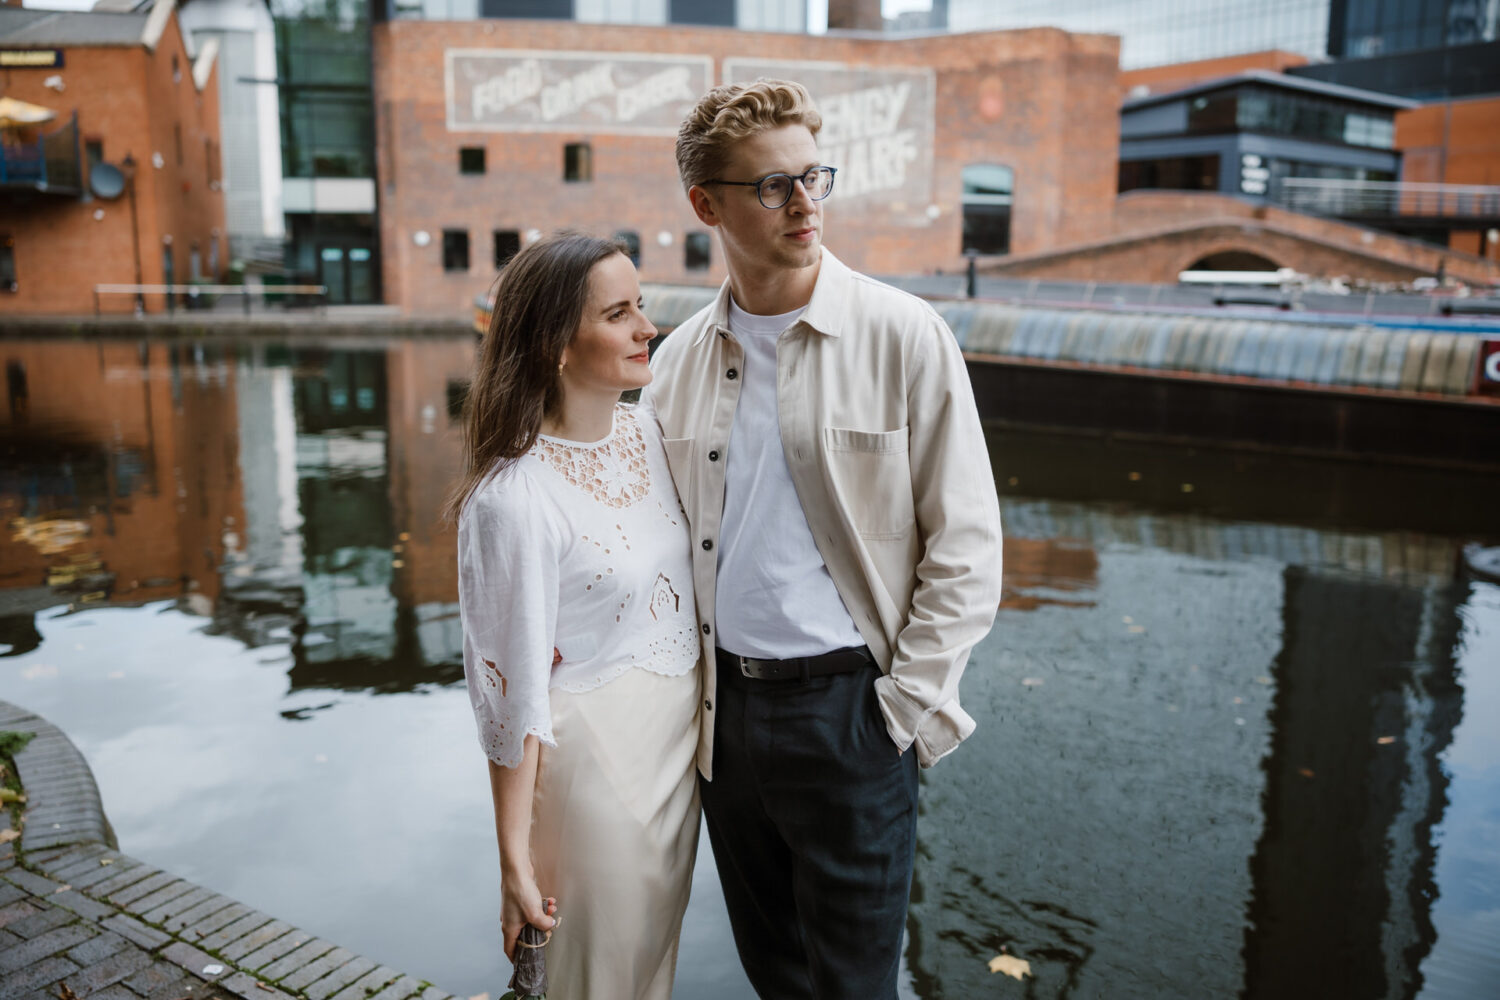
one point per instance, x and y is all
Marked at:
(581, 547)
(774, 598)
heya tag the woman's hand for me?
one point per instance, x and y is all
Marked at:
(521, 903)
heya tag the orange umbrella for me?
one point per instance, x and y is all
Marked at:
(15, 113)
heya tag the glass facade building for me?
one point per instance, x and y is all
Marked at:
(1358, 29)
(1162, 32)
(748, 15)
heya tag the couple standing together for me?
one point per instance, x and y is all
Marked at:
(802, 503)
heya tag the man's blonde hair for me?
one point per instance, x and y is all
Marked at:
(736, 111)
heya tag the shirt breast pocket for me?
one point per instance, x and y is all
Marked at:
(871, 474)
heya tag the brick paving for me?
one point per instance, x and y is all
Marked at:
(79, 919)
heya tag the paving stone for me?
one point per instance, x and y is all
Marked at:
(123, 879)
(112, 993)
(314, 971)
(194, 915)
(38, 974)
(10, 893)
(78, 859)
(89, 909)
(184, 987)
(220, 919)
(176, 905)
(153, 977)
(98, 948)
(339, 978)
(402, 988)
(233, 932)
(141, 889)
(34, 884)
(250, 988)
(116, 967)
(21, 955)
(256, 940)
(42, 921)
(45, 858)
(193, 960)
(291, 962)
(15, 911)
(119, 864)
(272, 950)
(368, 984)
(161, 896)
(8, 940)
(133, 930)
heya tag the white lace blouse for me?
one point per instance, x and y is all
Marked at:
(578, 547)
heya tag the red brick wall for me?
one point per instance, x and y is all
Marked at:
(1453, 142)
(1041, 101)
(126, 98)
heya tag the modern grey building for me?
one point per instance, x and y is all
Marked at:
(1245, 135)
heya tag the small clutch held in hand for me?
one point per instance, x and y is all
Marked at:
(529, 980)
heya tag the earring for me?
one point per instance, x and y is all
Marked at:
(560, 366)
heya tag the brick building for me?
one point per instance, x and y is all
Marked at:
(1458, 142)
(490, 130)
(126, 91)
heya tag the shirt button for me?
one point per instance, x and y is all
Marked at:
(708, 706)
(713, 456)
(732, 374)
(708, 544)
(706, 629)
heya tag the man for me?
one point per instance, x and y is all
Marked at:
(822, 433)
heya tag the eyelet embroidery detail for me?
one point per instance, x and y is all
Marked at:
(615, 473)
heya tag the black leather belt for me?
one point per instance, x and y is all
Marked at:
(838, 661)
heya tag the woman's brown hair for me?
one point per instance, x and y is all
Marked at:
(539, 301)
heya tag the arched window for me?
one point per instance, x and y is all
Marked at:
(987, 199)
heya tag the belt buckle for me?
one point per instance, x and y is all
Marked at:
(743, 662)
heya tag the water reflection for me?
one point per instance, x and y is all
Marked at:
(1215, 712)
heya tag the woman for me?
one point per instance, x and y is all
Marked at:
(573, 548)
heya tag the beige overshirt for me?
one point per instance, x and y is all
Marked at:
(884, 447)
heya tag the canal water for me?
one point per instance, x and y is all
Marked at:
(1236, 717)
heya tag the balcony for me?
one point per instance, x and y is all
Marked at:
(49, 164)
(1384, 203)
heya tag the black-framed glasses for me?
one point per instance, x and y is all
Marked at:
(775, 190)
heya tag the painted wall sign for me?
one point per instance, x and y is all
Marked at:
(624, 93)
(878, 129)
(31, 58)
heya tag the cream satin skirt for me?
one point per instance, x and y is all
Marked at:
(614, 833)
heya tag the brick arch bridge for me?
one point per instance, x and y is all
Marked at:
(1158, 234)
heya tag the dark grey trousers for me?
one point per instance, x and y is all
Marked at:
(812, 815)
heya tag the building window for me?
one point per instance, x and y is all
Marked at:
(455, 249)
(987, 200)
(695, 251)
(578, 162)
(458, 395)
(7, 264)
(630, 240)
(1181, 173)
(471, 160)
(507, 245)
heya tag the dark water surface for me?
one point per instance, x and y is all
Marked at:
(1237, 717)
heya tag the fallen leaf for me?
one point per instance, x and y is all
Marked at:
(213, 970)
(106, 861)
(61, 889)
(262, 986)
(1016, 968)
(6, 836)
(65, 993)
(1032, 682)
(11, 795)
(1386, 740)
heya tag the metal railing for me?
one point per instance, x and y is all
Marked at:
(1388, 199)
(49, 163)
(198, 295)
